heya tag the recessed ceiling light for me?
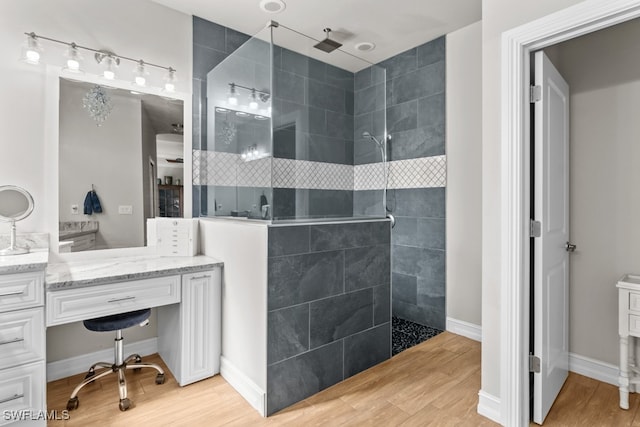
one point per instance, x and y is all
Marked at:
(241, 114)
(365, 46)
(221, 110)
(272, 6)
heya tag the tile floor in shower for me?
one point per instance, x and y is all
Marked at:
(406, 334)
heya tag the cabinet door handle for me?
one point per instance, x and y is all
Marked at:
(205, 276)
(12, 341)
(9, 399)
(121, 299)
(12, 293)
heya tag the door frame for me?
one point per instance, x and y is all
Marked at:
(517, 45)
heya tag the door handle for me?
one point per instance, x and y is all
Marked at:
(121, 299)
(7, 294)
(569, 247)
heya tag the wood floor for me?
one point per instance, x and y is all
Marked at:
(433, 384)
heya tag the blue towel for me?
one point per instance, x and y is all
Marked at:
(95, 202)
(92, 203)
(88, 209)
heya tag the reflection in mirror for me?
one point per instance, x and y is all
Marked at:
(120, 162)
(15, 204)
(246, 135)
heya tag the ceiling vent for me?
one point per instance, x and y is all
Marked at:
(272, 6)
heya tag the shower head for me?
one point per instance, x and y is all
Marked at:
(327, 45)
(367, 135)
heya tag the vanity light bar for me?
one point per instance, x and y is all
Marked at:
(32, 53)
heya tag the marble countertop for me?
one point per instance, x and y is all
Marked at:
(33, 261)
(76, 274)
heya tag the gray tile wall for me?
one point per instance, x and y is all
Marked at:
(415, 88)
(312, 120)
(313, 109)
(212, 43)
(328, 306)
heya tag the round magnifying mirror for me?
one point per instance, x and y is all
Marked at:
(15, 204)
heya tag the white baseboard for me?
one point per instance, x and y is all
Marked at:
(592, 368)
(243, 385)
(466, 329)
(78, 364)
(489, 407)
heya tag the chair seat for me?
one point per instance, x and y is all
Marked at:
(117, 321)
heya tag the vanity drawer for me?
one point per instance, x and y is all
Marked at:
(21, 337)
(634, 301)
(634, 325)
(72, 305)
(21, 290)
(22, 389)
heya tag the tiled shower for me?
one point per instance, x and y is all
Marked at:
(298, 160)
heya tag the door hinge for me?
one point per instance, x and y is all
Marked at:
(534, 364)
(535, 228)
(535, 93)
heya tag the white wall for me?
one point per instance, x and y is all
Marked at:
(497, 17)
(138, 28)
(109, 157)
(464, 173)
(244, 292)
(170, 146)
(603, 72)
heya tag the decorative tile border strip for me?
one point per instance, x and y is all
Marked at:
(424, 172)
(289, 173)
(228, 169)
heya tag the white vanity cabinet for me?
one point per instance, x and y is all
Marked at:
(189, 334)
(22, 348)
(185, 290)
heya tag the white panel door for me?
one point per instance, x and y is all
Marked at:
(551, 259)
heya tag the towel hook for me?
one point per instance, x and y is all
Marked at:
(92, 188)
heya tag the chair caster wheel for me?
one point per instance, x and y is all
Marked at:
(138, 360)
(160, 379)
(124, 404)
(90, 374)
(73, 404)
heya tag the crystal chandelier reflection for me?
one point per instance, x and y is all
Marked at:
(98, 104)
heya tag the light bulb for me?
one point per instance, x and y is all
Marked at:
(169, 80)
(140, 74)
(253, 101)
(73, 65)
(111, 63)
(232, 98)
(31, 50)
(74, 58)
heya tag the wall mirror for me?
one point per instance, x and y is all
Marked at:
(121, 154)
(16, 204)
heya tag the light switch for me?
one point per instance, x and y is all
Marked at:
(125, 210)
(74, 210)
